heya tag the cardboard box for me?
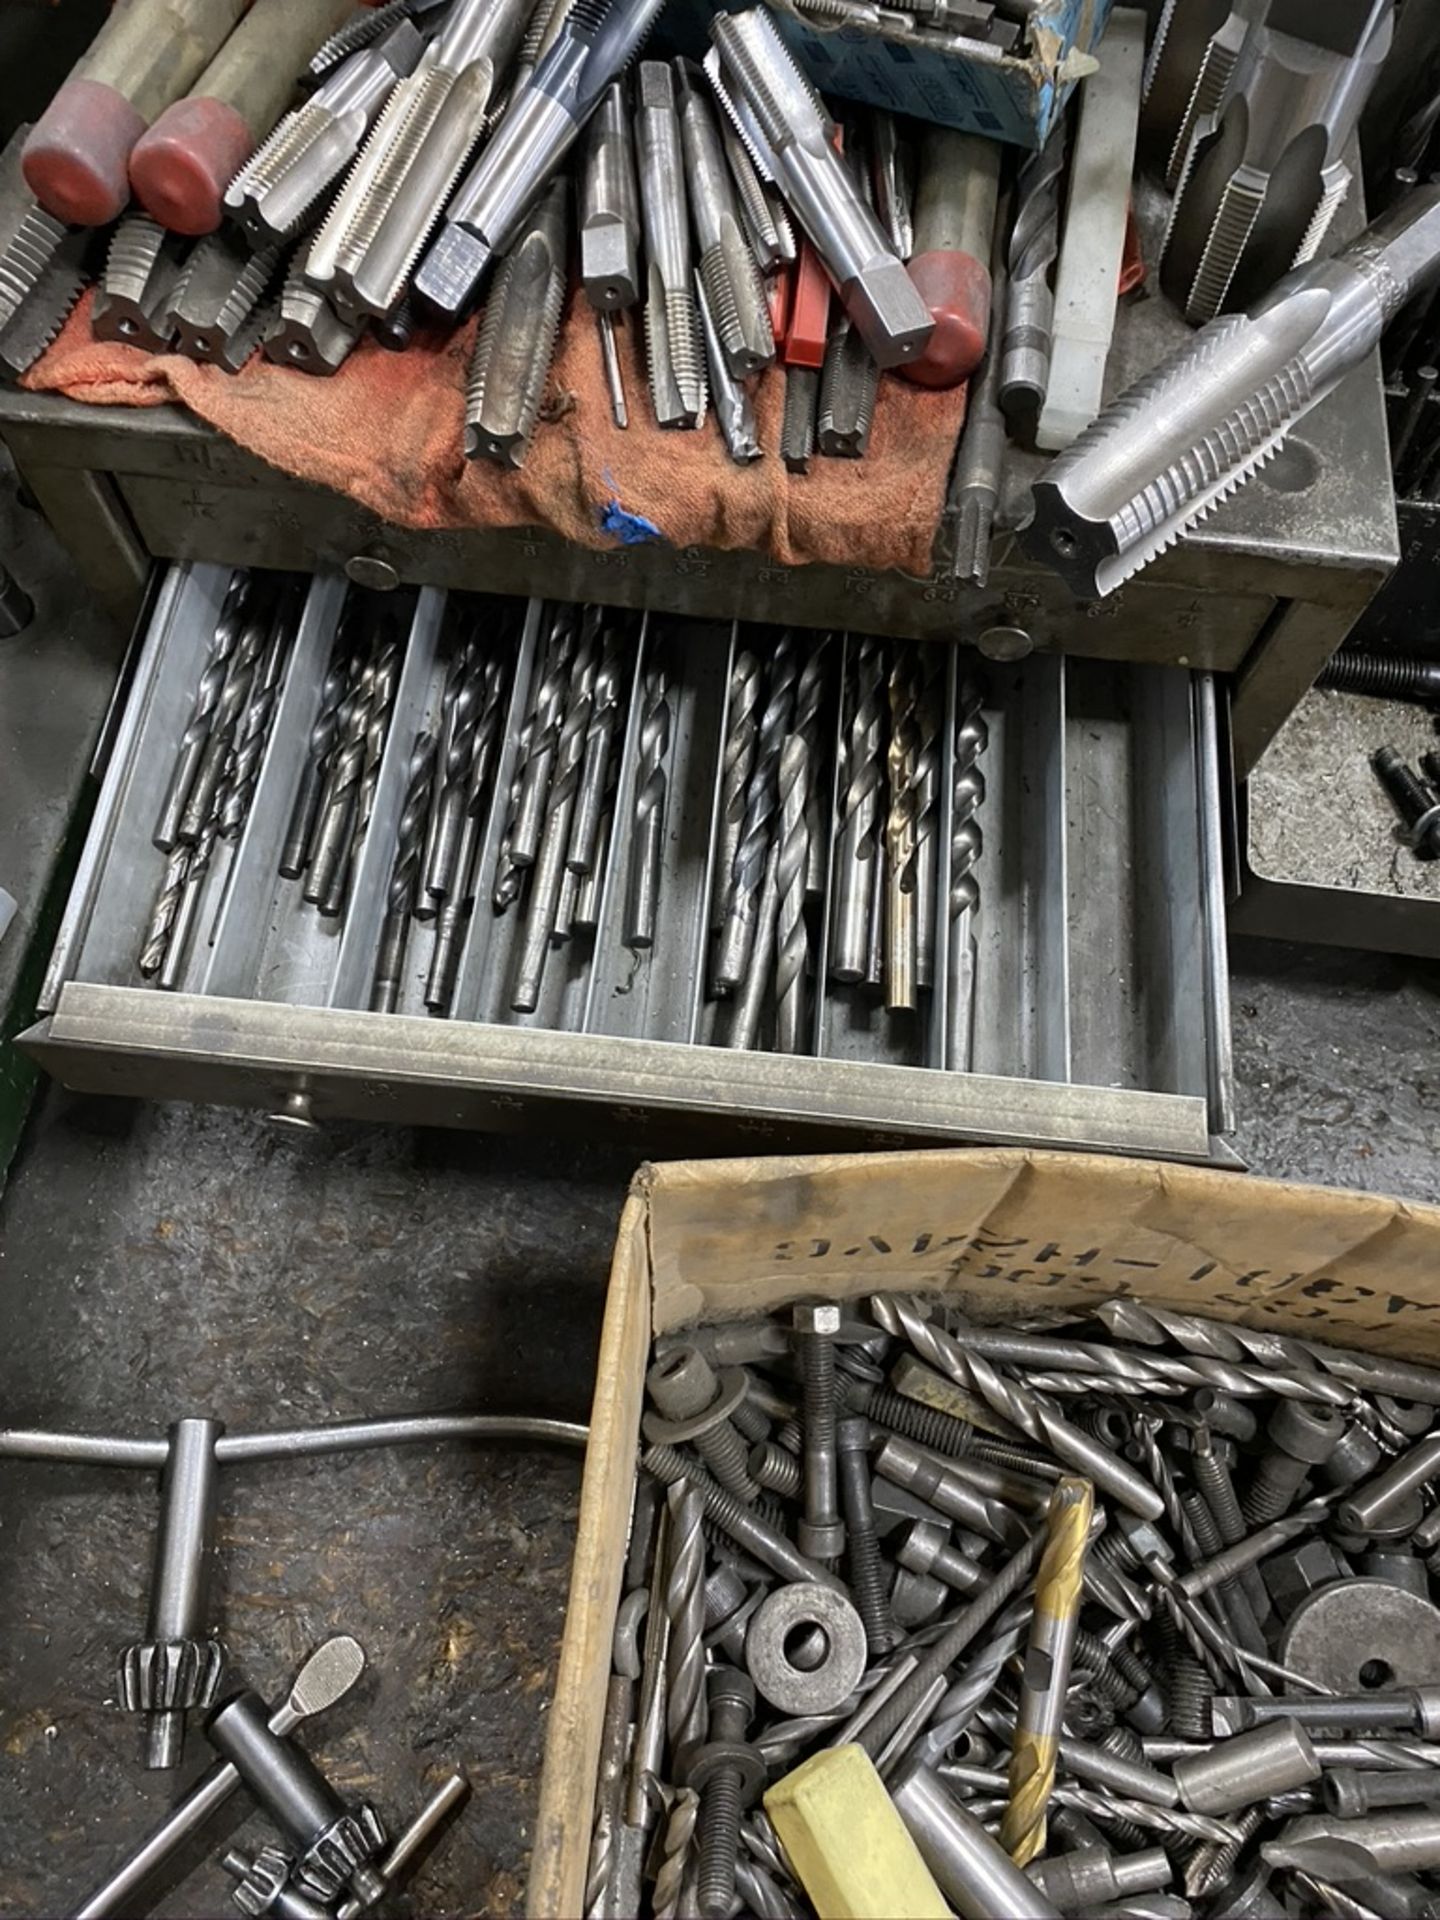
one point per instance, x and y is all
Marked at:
(1004, 1230)
(1016, 98)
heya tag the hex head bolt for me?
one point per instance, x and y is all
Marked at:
(175, 1668)
(1300, 1437)
(869, 1580)
(334, 1844)
(1416, 805)
(727, 1773)
(821, 1533)
(695, 1405)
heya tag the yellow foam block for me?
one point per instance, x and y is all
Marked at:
(847, 1843)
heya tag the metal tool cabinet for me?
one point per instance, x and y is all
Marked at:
(1101, 1017)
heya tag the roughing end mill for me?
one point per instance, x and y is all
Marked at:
(610, 206)
(674, 352)
(516, 341)
(1265, 174)
(1183, 439)
(1045, 1677)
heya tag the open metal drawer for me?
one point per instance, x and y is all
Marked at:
(1098, 1014)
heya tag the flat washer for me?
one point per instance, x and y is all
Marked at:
(1359, 1636)
(795, 1689)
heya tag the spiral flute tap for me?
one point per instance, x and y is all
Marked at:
(1265, 173)
(550, 865)
(516, 341)
(1029, 303)
(902, 932)
(728, 270)
(1181, 441)
(685, 1708)
(859, 825)
(404, 876)
(791, 938)
(208, 689)
(283, 181)
(592, 45)
(967, 840)
(901, 1315)
(673, 347)
(789, 134)
(761, 801)
(741, 737)
(642, 892)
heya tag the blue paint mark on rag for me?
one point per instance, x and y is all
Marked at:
(630, 529)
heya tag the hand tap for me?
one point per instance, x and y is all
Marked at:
(593, 46)
(732, 402)
(363, 29)
(610, 206)
(735, 296)
(1165, 454)
(306, 332)
(142, 266)
(772, 238)
(673, 349)
(791, 139)
(284, 179)
(215, 313)
(516, 342)
(1265, 174)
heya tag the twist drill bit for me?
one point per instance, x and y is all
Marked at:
(560, 808)
(1181, 441)
(1264, 175)
(229, 707)
(729, 275)
(673, 349)
(404, 876)
(598, 770)
(642, 893)
(132, 301)
(330, 852)
(742, 733)
(160, 928)
(1046, 1674)
(459, 901)
(383, 686)
(252, 731)
(966, 842)
(459, 704)
(233, 610)
(1106, 1807)
(749, 1000)
(1029, 303)
(509, 874)
(902, 928)
(797, 426)
(685, 1708)
(930, 715)
(732, 401)
(900, 1315)
(295, 854)
(792, 942)
(677, 1848)
(859, 811)
(282, 183)
(789, 134)
(516, 341)
(761, 800)
(610, 206)
(305, 332)
(548, 707)
(809, 699)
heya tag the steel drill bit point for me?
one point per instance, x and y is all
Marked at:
(1028, 304)
(1184, 439)
(792, 946)
(742, 732)
(797, 430)
(749, 999)
(161, 924)
(208, 689)
(732, 402)
(647, 847)
(686, 1710)
(404, 876)
(285, 179)
(132, 301)
(598, 772)
(676, 1854)
(295, 854)
(902, 921)
(516, 341)
(743, 898)
(330, 853)
(966, 842)
(229, 708)
(859, 818)
(728, 271)
(1046, 1674)
(253, 730)
(610, 206)
(546, 713)
(674, 351)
